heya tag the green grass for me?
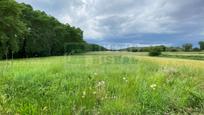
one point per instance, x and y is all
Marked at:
(100, 83)
(185, 55)
(180, 55)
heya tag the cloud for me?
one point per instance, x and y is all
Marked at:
(130, 21)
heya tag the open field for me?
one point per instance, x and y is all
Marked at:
(181, 55)
(185, 55)
(102, 83)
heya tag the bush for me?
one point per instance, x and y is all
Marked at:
(154, 53)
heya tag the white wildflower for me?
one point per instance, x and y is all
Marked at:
(125, 79)
(84, 94)
(101, 83)
(114, 97)
(153, 86)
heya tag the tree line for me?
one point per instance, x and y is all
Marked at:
(188, 47)
(25, 32)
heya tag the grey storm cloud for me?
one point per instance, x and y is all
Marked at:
(143, 21)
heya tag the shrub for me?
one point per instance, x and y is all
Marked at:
(155, 51)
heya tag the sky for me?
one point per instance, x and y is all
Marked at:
(127, 23)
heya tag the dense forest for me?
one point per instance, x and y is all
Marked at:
(25, 32)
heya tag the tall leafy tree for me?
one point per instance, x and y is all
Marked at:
(11, 27)
(25, 32)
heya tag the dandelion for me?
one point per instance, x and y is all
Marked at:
(153, 86)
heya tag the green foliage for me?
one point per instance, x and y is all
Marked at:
(72, 48)
(11, 27)
(173, 49)
(187, 47)
(145, 49)
(156, 51)
(47, 36)
(95, 47)
(201, 43)
(195, 49)
(25, 32)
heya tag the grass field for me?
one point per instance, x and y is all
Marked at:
(102, 83)
(185, 55)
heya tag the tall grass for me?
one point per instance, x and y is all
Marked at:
(99, 84)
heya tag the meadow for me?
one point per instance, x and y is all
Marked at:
(185, 55)
(102, 83)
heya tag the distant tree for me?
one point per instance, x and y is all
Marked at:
(187, 47)
(196, 49)
(201, 43)
(160, 48)
(134, 50)
(173, 49)
(163, 48)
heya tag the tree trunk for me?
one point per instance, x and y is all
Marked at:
(6, 56)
